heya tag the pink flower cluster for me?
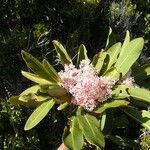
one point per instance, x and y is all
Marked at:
(86, 88)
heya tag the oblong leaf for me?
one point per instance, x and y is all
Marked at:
(36, 66)
(129, 55)
(111, 104)
(36, 78)
(52, 72)
(98, 60)
(38, 114)
(125, 44)
(62, 53)
(139, 94)
(74, 140)
(82, 53)
(113, 53)
(143, 117)
(113, 73)
(91, 132)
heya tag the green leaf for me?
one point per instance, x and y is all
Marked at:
(139, 94)
(52, 72)
(113, 53)
(74, 140)
(129, 55)
(41, 98)
(120, 92)
(38, 114)
(89, 126)
(63, 106)
(111, 104)
(36, 78)
(122, 141)
(113, 73)
(143, 117)
(36, 66)
(32, 94)
(82, 54)
(14, 100)
(56, 91)
(28, 97)
(103, 119)
(98, 60)
(32, 89)
(62, 53)
(125, 44)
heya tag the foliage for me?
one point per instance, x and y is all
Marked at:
(89, 125)
(73, 23)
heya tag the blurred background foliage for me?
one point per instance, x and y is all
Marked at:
(31, 25)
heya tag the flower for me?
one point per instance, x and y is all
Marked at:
(85, 86)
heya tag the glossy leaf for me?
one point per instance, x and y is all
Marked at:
(143, 117)
(125, 44)
(36, 66)
(113, 73)
(74, 140)
(111, 104)
(52, 72)
(36, 78)
(89, 125)
(82, 53)
(98, 60)
(32, 89)
(130, 54)
(139, 94)
(38, 114)
(113, 53)
(62, 53)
